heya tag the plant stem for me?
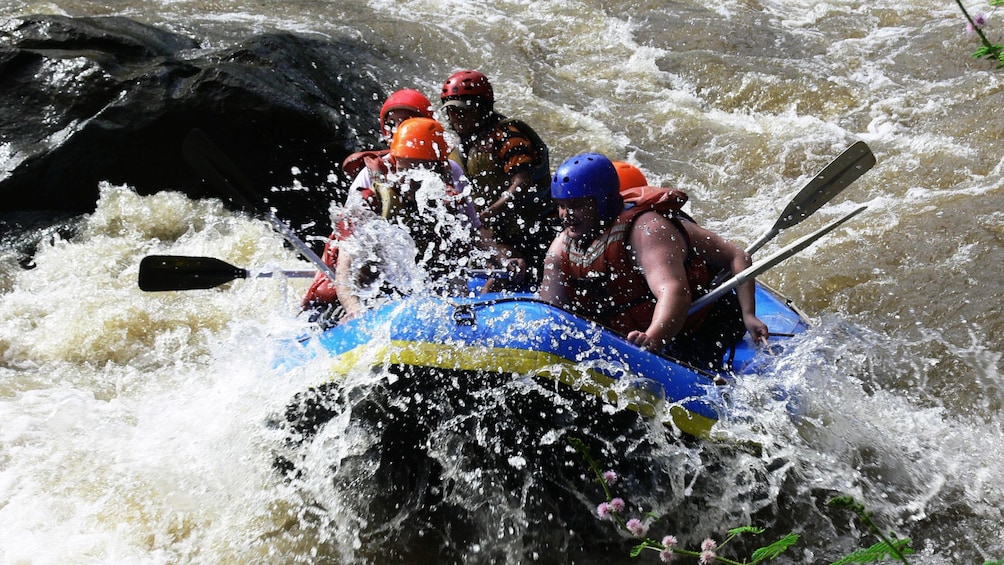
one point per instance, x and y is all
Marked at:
(993, 49)
(866, 519)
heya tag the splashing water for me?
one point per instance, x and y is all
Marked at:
(135, 428)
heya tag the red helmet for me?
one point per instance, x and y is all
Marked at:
(406, 99)
(467, 84)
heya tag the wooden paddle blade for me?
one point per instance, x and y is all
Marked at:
(838, 175)
(170, 272)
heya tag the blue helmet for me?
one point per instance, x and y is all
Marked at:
(590, 175)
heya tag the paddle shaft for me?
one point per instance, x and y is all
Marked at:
(288, 273)
(761, 266)
(216, 167)
(179, 272)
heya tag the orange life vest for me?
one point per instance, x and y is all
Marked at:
(605, 282)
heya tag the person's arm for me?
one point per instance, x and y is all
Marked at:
(723, 254)
(553, 284)
(516, 157)
(345, 287)
(484, 239)
(519, 183)
(322, 290)
(660, 252)
(502, 255)
(461, 188)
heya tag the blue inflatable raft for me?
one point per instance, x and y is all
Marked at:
(519, 335)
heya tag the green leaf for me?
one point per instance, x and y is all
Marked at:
(579, 445)
(878, 552)
(848, 501)
(774, 549)
(746, 530)
(999, 561)
(636, 550)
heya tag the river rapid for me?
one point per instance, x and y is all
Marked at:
(133, 425)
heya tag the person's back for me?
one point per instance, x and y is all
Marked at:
(507, 164)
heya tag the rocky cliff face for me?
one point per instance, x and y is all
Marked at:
(86, 100)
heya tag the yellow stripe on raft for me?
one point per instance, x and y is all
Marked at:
(521, 361)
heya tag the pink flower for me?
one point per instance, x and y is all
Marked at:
(666, 555)
(636, 527)
(603, 510)
(617, 505)
(708, 545)
(707, 557)
(979, 20)
(669, 541)
(610, 477)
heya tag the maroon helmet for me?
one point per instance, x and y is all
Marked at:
(464, 85)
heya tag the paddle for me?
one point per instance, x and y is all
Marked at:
(172, 272)
(829, 182)
(760, 266)
(177, 272)
(216, 167)
(834, 178)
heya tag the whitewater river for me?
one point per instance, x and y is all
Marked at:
(133, 426)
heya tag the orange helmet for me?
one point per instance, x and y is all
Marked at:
(407, 99)
(630, 176)
(419, 138)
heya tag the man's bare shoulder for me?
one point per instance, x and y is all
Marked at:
(652, 222)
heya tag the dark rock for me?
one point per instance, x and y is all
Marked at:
(21, 233)
(86, 100)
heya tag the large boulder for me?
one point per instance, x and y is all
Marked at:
(86, 100)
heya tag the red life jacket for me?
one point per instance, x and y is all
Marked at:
(322, 290)
(608, 286)
(357, 161)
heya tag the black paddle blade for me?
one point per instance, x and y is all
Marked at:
(170, 272)
(844, 170)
